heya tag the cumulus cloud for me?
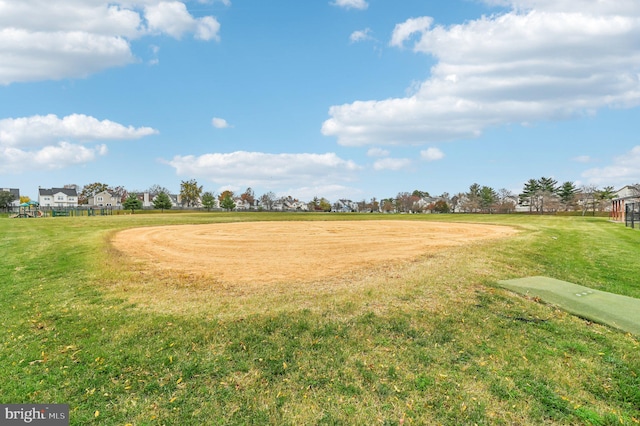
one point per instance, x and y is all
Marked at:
(55, 40)
(219, 123)
(44, 129)
(541, 60)
(392, 164)
(43, 142)
(623, 170)
(53, 157)
(432, 154)
(406, 29)
(173, 18)
(259, 169)
(351, 4)
(360, 35)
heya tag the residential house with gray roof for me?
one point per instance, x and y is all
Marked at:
(58, 197)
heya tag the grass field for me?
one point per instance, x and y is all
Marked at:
(430, 341)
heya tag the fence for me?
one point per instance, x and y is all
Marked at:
(632, 214)
(51, 211)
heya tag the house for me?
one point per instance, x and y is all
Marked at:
(345, 206)
(104, 199)
(16, 196)
(58, 197)
(626, 195)
(242, 204)
(289, 204)
(176, 200)
(145, 199)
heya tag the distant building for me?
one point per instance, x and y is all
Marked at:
(625, 195)
(58, 197)
(104, 199)
(16, 195)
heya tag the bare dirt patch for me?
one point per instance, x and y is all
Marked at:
(271, 252)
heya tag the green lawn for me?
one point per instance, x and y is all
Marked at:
(433, 341)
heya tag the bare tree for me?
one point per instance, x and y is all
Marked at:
(604, 196)
(587, 198)
(157, 189)
(405, 201)
(267, 200)
(506, 201)
(456, 200)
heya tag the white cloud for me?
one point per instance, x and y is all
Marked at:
(392, 164)
(361, 35)
(622, 171)
(351, 4)
(207, 28)
(406, 29)
(543, 60)
(273, 171)
(40, 130)
(53, 157)
(377, 152)
(42, 142)
(173, 18)
(32, 56)
(55, 40)
(219, 123)
(432, 154)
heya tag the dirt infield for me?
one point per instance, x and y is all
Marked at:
(269, 252)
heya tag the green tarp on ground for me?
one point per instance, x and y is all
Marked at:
(617, 311)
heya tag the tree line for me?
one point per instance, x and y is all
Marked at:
(540, 195)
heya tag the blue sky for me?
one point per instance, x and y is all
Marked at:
(330, 98)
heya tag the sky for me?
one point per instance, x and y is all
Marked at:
(319, 98)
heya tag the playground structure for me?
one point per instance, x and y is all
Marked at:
(28, 210)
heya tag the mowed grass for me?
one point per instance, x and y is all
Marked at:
(430, 341)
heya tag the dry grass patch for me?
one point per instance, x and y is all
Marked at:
(221, 268)
(271, 252)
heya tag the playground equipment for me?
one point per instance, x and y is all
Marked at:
(29, 209)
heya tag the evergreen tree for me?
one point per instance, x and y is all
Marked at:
(530, 194)
(549, 185)
(567, 193)
(162, 201)
(132, 203)
(473, 198)
(548, 190)
(488, 197)
(208, 200)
